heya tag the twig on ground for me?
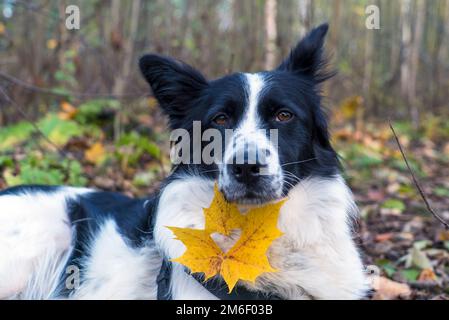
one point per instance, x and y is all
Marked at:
(415, 181)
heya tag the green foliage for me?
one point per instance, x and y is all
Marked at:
(132, 146)
(6, 162)
(407, 190)
(441, 192)
(436, 128)
(405, 128)
(394, 204)
(359, 156)
(49, 169)
(90, 111)
(66, 74)
(56, 130)
(402, 166)
(14, 135)
(59, 131)
(410, 274)
(27, 163)
(387, 266)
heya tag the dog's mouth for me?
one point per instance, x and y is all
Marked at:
(242, 195)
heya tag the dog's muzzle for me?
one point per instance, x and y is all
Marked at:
(251, 173)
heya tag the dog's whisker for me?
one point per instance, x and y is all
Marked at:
(292, 178)
(291, 174)
(81, 220)
(296, 162)
(215, 170)
(144, 232)
(296, 179)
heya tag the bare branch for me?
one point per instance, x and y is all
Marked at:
(34, 88)
(415, 181)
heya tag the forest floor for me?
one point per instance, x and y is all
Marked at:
(396, 232)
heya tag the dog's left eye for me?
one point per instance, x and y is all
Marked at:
(220, 119)
(283, 116)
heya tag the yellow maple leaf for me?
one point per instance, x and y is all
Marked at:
(202, 255)
(247, 259)
(222, 216)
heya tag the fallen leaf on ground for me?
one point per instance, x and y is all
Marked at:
(420, 259)
(96, 153)
(387, 289)
(383, 237)
(443, 235)
(427, 275)
(67, 112)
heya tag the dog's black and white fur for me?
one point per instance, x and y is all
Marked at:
(118, 243)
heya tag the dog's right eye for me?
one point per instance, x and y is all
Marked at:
(220, 119)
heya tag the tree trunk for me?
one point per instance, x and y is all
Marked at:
(335, 24)
(406, 35)
(128, 48)
(306, 15)
(368, 71)
(270, 34)
(414, 60)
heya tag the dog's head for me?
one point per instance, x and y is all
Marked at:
(279, 131)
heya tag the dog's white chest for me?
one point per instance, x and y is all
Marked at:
(315, 251)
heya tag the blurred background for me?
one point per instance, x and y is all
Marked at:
(75, 110)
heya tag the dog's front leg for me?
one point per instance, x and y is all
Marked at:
(181, 205)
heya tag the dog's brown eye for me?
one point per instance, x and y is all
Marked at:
(221, 119)
(283, 116)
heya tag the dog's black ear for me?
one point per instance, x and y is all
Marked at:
(175, 84)
(308, 56)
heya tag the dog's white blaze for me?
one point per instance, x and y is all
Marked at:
(250, 123)
(247, 130)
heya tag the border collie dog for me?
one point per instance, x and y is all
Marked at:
(75, 243)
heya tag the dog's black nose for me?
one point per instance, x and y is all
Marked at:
(245, 173)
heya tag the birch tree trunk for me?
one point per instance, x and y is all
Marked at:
(368, 71)
(270, 34)
(306, 15)
(128, 48)
(414, 60)
(406, 35)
